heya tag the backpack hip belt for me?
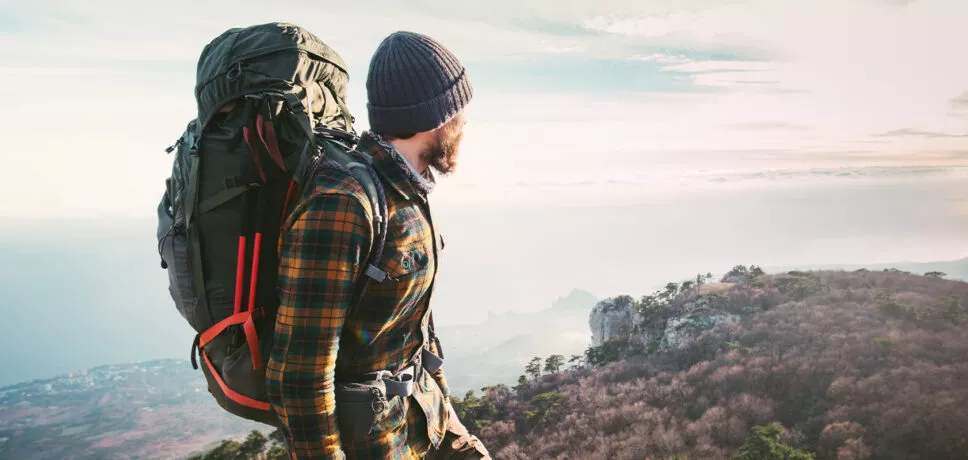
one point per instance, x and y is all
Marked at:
(401, 383)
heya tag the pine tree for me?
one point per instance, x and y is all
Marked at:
(553, 363)
(534, 367)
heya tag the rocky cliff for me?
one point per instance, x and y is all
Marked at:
(613, 317)
(668, 320)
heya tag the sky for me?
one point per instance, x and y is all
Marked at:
(566, 92)
(611, 146)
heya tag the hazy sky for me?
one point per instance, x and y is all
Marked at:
(565, 91)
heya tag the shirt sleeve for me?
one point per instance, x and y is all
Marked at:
(319, 264)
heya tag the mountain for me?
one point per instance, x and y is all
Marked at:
(819, 364)
(954, 269)
(154, 409)
(498, 349)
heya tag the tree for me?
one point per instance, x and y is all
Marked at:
(648, 305)
(278, 437)
(610, 351)
(739, 271)
(671, 290)
(764, 444)
(277, 453)
(936, 274)
(473, 410)
(254, 445)
(686, 286)
(522, 383)
(534, 367)
(226, 450)
(543, 404)
(553, 363)
(575, 361)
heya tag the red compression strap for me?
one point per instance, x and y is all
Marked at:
(217, 329)
(238, 398)
(253, 338)
(255, 270)
(239, 273)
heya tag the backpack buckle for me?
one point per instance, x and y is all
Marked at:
(234, 72)
(378, 275)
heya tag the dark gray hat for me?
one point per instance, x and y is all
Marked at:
(414, 84)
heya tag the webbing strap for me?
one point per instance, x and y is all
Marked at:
(201, 293)
(430, 361)
(232, 394)
(218, 328)
(247, 320)
(400, 384)
(219, 199)
(191, 200)
(191, 195)
(347, 116)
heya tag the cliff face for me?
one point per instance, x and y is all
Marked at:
(682, 331)
(615, 317)
(622, 318)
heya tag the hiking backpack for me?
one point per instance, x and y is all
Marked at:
(270, 110)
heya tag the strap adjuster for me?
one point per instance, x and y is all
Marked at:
(396, 385)
(377, 275)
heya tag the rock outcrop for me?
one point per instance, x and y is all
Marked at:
(682, 331)
(615, 317)
(675, 327)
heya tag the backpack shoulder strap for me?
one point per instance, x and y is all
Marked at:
(360, 167)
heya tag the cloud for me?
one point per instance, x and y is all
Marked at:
(866, 63)
(661, 58)
(766, 126)
(806, 76)
(722, 75)
(621, 185)
(911, 132)
(721, 66)
(960, 102)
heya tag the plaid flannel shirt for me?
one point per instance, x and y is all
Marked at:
(320, 336)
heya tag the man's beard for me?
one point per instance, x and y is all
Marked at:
(442, 155)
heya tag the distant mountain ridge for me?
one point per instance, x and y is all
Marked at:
(497, 350)
(954, 269)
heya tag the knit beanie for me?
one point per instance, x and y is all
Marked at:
(414, 84)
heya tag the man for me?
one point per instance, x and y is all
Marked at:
(324, 341)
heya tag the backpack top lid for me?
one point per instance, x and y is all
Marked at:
(275, 56)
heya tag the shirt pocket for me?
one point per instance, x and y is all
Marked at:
(408, 262)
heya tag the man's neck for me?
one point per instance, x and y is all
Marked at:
(411, 151)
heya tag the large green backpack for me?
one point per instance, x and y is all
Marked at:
(270, 113)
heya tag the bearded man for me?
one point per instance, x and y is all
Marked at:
(363, 377)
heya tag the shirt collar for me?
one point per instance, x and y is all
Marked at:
(394, 167)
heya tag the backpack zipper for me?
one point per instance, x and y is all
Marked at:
(171, 148)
